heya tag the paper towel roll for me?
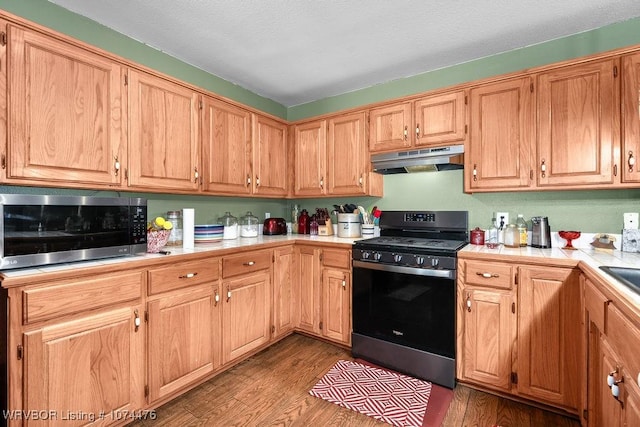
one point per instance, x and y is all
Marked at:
(188, 226)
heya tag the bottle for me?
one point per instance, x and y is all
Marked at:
(175, 238)
(491, 239)
(501, 228)
(303, 223)
(294, 219)
(313, 226)
(522, 230)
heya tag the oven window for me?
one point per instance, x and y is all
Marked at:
(411, 310)
(56, 228)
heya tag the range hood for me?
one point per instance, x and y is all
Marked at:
(421, 160)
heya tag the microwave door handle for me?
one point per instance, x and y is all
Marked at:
(445, 274)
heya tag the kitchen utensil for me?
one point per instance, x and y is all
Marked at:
(540, 232)
(569, 236)
(275, 226)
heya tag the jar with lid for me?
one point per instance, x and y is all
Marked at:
(511, 236)
(294, 219)
(249, 225)
(175, 238)
(491, 238)
(230, 224)
(313, 225)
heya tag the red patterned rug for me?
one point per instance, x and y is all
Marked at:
(384, 395)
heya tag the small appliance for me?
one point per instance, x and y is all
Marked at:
(540, 232)
(274, 226)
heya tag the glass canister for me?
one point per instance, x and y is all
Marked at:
(511, 236)
(249, 225)
(175, 238)
(230, 224)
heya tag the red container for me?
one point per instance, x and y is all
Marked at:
(477, 236)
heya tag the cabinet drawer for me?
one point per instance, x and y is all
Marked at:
(183, 274)
(235, 265)
(69, 297)
(495, 275)
(624, 337)
(336, 258)
(596, 304)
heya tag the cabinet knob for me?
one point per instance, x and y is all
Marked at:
(136, 320)
(188, 276)
(469, 303)
(631, 161)
(116, 165)
(257, 181)
(487, 275)
(418, 131)
(216, 299)
(248, 180)
(406, 133)
(196, 175)
(543, 168)
(228, 294)
(322, 182)
(475, 172)
(249, 264)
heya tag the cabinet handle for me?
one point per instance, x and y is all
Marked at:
(322, 182)
(468, 302)
(249, 264)
(418, 131)
(531, 174)
(344, 284)
(543, 169)
(257, 181)
(611, 377)
(631, 162)
(615, 170)
(406, 133)
(136, 320)
(188, 276)
(248, 180)
(216, 299)
(487, 275)
(228, 294)
(361, 180)
(116, 165)
(475, 172)
(196, 175)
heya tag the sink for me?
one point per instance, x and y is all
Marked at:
(629, 277)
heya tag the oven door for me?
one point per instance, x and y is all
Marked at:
(411, 307)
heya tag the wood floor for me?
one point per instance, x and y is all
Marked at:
(272, 389)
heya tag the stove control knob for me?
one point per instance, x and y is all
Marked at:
(434, 262)
(377, 256)
(365, 255)
(397, 257)
(419, 260)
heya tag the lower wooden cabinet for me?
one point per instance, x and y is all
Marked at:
(284, 295)
(512, 314)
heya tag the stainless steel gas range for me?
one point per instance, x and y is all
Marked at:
(404, 292)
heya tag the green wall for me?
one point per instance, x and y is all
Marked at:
(588, 211)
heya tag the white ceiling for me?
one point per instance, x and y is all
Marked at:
(297, 51)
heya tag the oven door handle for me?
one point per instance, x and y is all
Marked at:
(446, 274)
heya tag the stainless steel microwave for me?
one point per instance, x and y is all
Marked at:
(43, 230)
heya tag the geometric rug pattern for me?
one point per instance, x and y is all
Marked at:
(387, 396)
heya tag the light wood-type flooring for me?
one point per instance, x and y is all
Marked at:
(272, 389)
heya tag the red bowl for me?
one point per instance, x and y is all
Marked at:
(571, 235)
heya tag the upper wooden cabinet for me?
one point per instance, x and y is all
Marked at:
(310, 158)
(429, 121)
(578, 125)
(498, 151)
(164, 150)
(66, 114)
(270, 157)
(630, 146)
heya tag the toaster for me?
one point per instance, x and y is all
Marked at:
(540, 232)
(274, 226)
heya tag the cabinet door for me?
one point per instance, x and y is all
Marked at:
(91, 365)
(501, 137)
(163, 134)
(182, 339)
(489, 333)
(284, 312)
(390, 127)
(608, 409)
(311, 157)
(578, 122)
(246, 312)
(347, 162)
(440, 119)
(226, 147)
(308, 259)
(336, 305)
(630, 118)
(270, 157)
(66, 113)
(631, 403)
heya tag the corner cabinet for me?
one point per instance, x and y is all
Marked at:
(68, 121)
(164, 147)
(509, 314)
(630, 145)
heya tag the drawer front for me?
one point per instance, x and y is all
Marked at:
(235, 265)
(624, 337)
(490, 274)
(69, 297)
(596, 304)
(183, 274)
(336, 258)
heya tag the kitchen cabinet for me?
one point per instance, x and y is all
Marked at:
(246, 306)
(284, 295)
(324, 281)
(432, 120)
(630, 144)
(310, 158)
(578, 125)
(86, 336)
(502, 136)
(270, 157)
(164, 135)
(612, 359)
(512, 313)
(67, 112)
(184, 325)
